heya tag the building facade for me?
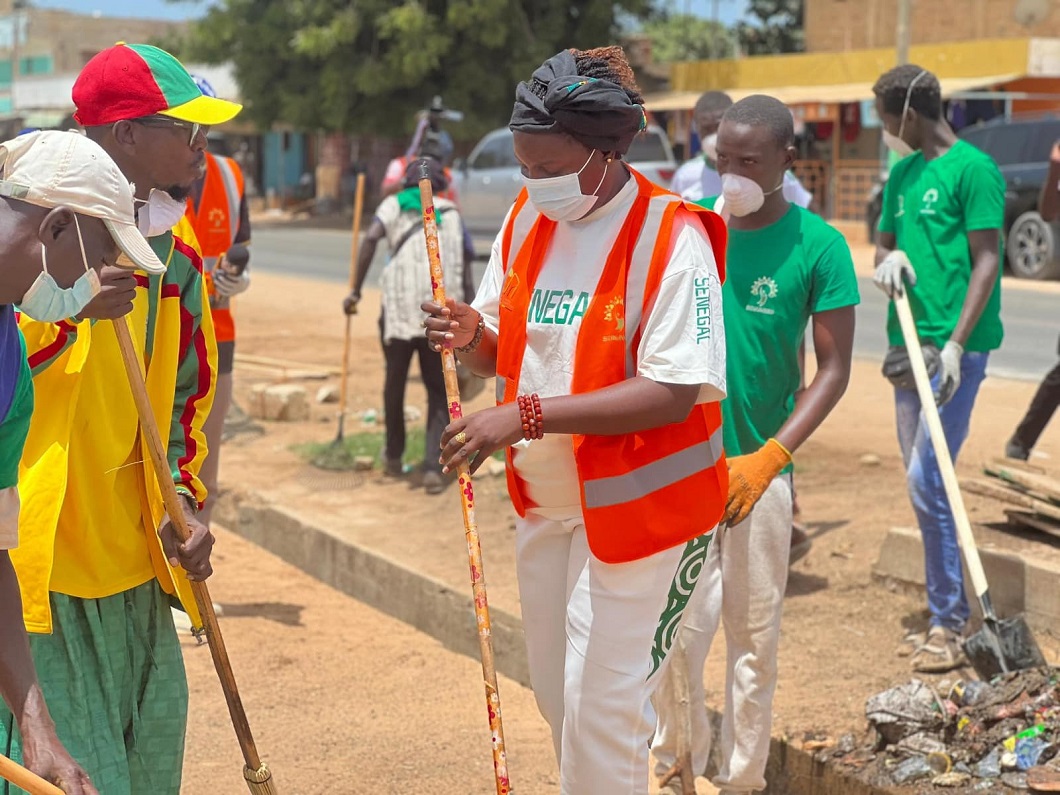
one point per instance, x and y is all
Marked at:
(844, 25)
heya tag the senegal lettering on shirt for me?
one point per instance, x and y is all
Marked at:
(558, 307)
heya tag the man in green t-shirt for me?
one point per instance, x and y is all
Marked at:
(940, 239)
(785, 266)
(65, 211)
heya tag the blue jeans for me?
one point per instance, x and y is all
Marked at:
(942, 555)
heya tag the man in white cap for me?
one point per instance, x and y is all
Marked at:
(98, 563)
(65, 212)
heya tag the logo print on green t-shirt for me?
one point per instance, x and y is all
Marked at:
(765, 290)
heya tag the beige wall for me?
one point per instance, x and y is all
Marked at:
(71, 39)
(837, 25)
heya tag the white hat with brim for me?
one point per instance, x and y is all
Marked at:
(52, 168)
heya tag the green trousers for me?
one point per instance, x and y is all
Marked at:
(113, 677)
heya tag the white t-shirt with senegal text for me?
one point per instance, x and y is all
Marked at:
(683, 341)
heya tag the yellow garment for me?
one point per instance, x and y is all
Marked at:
(91, 503)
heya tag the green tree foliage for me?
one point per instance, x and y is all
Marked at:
(778, 30)
(365, 66)
(682, 37)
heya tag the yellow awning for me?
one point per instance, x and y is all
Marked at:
(825, 94)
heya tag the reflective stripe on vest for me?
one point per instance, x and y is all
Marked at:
(641, 492)
(640, 482)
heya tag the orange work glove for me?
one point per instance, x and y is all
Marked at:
(750, 476)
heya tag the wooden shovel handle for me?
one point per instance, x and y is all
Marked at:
(175, 510)
(32, 783)
(938, 441)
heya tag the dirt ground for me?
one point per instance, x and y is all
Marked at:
(344, 700)
(840, 626)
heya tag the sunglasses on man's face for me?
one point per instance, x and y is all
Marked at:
(164, 121)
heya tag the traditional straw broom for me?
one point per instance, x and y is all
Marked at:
(257, 774)
(474, 548)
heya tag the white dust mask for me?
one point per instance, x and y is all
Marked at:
(743, 196)
(47, 302)
(561, 198)
(160, 213)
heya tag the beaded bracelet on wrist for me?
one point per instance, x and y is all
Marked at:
(530, 416)
(480, 329)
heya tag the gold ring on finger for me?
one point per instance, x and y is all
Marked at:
(461, 437)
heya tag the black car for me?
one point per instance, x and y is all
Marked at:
(1020, 147)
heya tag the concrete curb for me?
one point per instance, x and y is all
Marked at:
(1018, 584)
(447, 615)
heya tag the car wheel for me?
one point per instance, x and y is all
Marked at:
(1031, 249)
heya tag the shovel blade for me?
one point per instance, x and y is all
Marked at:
(1003, 645)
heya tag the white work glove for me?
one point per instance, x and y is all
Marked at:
(890, 272)
(949, 372)
(228, 285)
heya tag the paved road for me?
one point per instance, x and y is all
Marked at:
(1032, 319)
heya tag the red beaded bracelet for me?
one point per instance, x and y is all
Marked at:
(530, 416)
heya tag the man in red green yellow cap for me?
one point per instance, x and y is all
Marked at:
(98, 562)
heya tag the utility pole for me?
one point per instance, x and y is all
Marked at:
(902, 31)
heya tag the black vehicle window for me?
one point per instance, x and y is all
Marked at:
(1009, 145)
(497, 153)
(646, 148)
(1046, 133)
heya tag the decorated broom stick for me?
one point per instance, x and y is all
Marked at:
(474, 548)
(255, 772)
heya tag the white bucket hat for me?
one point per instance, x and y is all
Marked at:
(52, 168)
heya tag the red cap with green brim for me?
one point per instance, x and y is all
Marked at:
(130, 81)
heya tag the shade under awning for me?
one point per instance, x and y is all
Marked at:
(835, 93)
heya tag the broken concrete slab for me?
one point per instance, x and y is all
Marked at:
(1020, 581)
(279, 402)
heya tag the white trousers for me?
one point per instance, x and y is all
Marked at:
(597, 637)
(742, 586)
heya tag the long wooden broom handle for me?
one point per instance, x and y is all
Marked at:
(175, 509)
(24, 779)
(467, 499)
(355, 247)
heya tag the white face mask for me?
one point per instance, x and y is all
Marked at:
(47, 302)
(710, 147)
(561, 198)
(158, 214)
(895, 142)
(743, 196)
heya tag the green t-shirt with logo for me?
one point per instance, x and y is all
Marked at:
(775, 279)
(931, 206)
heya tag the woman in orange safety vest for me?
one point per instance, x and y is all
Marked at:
(600, 316)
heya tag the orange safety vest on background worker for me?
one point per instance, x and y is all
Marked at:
(641, 492)
(216, 224)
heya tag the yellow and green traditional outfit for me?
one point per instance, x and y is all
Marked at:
(96, 586)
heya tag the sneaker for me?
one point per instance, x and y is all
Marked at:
(910, 643)
(941, 652)
(393, 468)
(1016, 450)
(433, 482)
(800, 544)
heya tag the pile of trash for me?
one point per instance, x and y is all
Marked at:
(969, 735)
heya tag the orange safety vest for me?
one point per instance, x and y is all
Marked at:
(216, 224)
(641, 492)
